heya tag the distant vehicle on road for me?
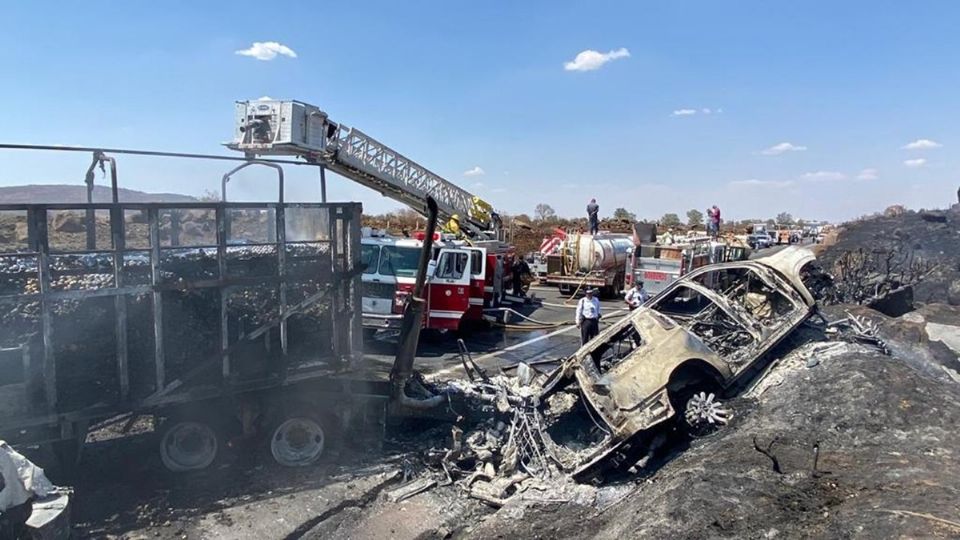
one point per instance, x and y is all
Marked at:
(759, 241)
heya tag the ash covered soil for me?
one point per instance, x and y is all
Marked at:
(926, 237)
(888, 461)
(887, 465)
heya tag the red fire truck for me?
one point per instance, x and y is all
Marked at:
(464, 279)
(467, 275)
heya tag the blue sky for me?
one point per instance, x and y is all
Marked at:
(811, 104)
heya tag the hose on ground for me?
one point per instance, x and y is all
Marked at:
(521, 315)
(530, 326)
(536, 325)
(548, 304)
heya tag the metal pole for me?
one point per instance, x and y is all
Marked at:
(323, 184)
(90, 221)
(414, 310)
(231, 172)
(114, 189)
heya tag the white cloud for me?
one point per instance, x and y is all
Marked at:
(590, 59)
(781, 148)
(921, 144)
(264, 98)
(478, 185)
(868, 174)
(823, 176)
(691, 112)
(915, 163)
(761, 183)
(267, 50)
(476, 171)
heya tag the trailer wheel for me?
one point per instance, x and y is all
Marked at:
(298, 440)
(188, 445)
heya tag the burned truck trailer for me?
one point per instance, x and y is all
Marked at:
(219, 319)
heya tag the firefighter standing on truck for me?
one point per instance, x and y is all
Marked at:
(453, 226)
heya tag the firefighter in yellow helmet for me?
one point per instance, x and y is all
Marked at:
(453, 226)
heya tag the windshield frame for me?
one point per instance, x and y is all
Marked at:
(390, 254)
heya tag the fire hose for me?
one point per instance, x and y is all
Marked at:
(537, 325)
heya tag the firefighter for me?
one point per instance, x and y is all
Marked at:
(453, 226)
(588, 316)
(521, 270)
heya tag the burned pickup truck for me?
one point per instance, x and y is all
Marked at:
(672, 358)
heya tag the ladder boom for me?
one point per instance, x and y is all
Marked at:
(270, 127)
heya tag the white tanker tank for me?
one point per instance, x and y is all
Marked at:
(604, 252)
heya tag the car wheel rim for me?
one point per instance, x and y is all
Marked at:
(188, 446)
(705, 413)
(297, 442)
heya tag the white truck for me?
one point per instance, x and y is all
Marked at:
(657, 266)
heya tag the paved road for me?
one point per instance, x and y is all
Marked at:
(437, 354)
(498, 347)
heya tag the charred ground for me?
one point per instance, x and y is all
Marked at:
(836, 440)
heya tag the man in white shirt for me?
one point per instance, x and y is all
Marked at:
(637, 296)
(588, 316)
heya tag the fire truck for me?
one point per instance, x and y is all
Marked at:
(468, 274)
(463, 279)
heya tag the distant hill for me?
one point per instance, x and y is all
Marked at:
(62, 193)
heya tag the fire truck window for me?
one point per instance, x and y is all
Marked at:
(399, 261)
(452, 265)
(476, 263)
(369, 256)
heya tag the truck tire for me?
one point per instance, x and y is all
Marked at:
(298, 439)
(189, 443)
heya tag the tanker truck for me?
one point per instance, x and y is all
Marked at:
(584, 260)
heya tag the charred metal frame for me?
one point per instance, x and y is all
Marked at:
(343, 223)
(42, 419)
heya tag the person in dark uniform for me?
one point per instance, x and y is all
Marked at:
(588, 316)
(520, 270)
(593, 216)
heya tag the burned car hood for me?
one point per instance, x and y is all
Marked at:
(789, 262)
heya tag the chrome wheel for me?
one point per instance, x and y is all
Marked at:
(705, 413)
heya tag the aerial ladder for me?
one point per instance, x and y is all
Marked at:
(294, 128)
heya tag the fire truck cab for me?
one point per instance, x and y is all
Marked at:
(462, 280)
